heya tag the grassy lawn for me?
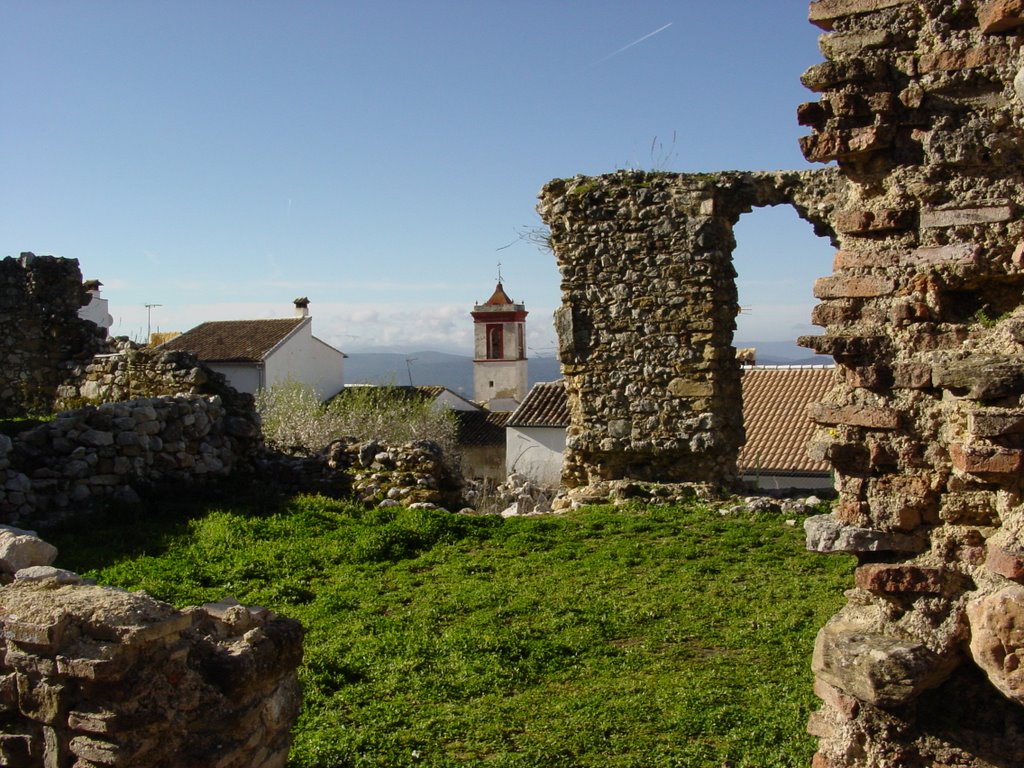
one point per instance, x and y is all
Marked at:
(644, 636)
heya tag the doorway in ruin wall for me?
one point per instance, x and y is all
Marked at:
(777, 258)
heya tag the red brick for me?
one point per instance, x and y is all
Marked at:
(984, 460)
(856, 287)
(871, 417)
(1000, 15)
(856, 222)
(823, 13)
(957, 254)
(948, 61)
(864, 259)
(897, 579)
(843, 704)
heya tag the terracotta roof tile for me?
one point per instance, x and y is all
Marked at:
(481, 427)
(233, 341)
(545, 406)
(775, 416)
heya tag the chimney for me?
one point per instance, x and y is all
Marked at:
(302, 307)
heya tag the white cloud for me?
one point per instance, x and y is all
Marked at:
(350, 327)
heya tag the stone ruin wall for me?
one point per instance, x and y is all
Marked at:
(648, 310)
(921, 106)
(40, 330)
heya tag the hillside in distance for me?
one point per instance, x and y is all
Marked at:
(456, 371)
(431, 368)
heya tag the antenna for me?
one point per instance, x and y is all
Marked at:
(499, 271)
(149, 319)
(408, 367)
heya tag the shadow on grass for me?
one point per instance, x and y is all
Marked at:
(118, 531)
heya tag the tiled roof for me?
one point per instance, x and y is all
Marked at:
(481, 427)
(545, 406)
(233, 341)
(499, 297)
(775, 416)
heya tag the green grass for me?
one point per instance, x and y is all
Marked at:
(646, 636)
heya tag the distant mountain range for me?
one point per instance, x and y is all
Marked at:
(456, 371)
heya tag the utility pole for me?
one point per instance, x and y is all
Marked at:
(149, 320)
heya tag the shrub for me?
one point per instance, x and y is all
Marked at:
(295, 420)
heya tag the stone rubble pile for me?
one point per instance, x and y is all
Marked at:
(96, 677)
(415, 473)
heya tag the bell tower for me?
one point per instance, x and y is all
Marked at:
(499, 357)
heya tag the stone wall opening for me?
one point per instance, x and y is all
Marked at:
(776, 258)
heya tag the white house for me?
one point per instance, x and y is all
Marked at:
(535, 434)
(257, 354)
(96, 309)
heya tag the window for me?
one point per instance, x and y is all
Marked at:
(495, 342)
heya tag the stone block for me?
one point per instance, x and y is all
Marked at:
(875, 668)
(876, 347)
(868, 416)
(912, 376)
(823, 13)
(986, 459)
(996, 16)
(825, 534)
(995, 422)
(18, 551)
(41, 701)
(1002, 561)
(44, 634)
(899, 579)
(680, 387)
(841, 44)
(846, 144)
(981, 376)
(842, 287)
(997, 639)
(958, 217)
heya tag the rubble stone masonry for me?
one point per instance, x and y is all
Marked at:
(40, 330)
(920, 109)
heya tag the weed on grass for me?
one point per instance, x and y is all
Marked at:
(640, 636)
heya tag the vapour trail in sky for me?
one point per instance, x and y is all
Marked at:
(635, 42)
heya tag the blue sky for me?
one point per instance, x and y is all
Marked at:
(222, 158)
